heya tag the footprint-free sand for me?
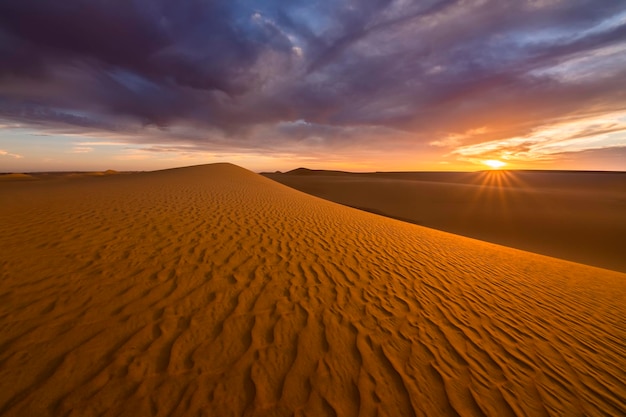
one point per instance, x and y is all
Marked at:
(213, 291)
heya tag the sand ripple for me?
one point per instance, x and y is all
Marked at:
(212, 291)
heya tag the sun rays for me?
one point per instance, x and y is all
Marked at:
(497, 192)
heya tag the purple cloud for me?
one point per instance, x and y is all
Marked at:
(432, 68)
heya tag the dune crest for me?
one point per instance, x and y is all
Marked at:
(211, 290)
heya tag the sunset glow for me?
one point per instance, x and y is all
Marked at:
(494, 163)
(277, 85)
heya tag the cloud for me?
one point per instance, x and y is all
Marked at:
(548, 142)
(10, 155)
(100, 143)
(309, 75)
(81, 149)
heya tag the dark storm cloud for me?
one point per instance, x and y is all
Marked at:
(432, 66)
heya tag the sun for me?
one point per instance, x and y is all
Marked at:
(494, 163)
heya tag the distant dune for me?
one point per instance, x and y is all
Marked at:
(213, 291)
(578, 216)
(16, 177)
(56, 175)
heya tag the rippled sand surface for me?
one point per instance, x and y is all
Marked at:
(213, 291)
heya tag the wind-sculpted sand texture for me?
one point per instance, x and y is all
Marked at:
(574, 215)
(212, 291)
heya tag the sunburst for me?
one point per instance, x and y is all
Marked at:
(494, 163)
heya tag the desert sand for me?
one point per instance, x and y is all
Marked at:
(213, 291)
(574, 215)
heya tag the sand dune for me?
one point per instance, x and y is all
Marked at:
(573, 215)
(16, 177)
(56, 176)
(212, 291)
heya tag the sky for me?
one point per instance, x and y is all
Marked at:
(338, 84)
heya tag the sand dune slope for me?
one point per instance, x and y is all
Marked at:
(573, 215)
(212, 291)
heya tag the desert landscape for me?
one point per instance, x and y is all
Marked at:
(453, 244)
(214, 291)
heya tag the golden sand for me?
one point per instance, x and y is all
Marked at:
(212, 291)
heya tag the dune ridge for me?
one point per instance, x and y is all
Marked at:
(211, 290)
